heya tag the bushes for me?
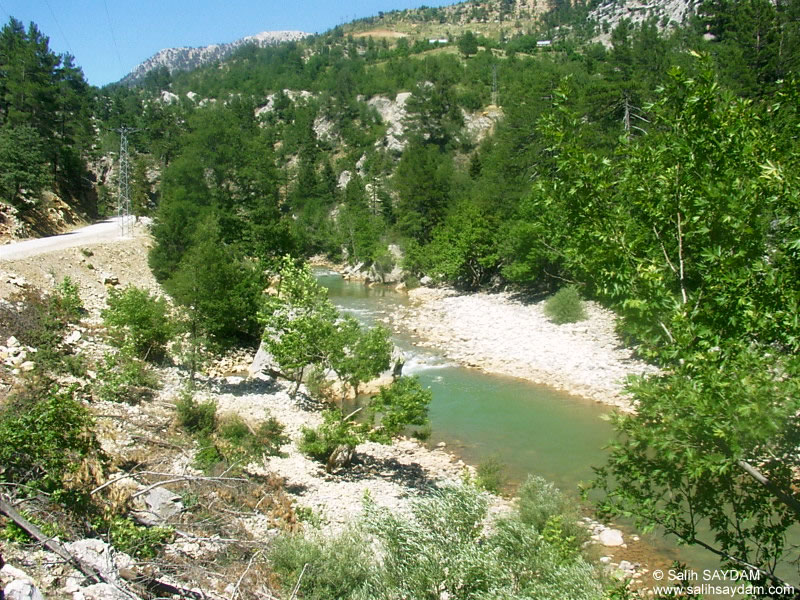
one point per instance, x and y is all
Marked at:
(267, 438)
(396, 406)
(197, 418)
(40, 321)
(338, 566)
(544, 507)
(45, 434)
(490, 475)
(320, 443)
(124, 378)
(565, 306)
(227, 440)
(140, 321)
(137, 540)
(443, 550)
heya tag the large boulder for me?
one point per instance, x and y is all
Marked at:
(263, 363)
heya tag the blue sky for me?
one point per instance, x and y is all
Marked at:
(110, 37)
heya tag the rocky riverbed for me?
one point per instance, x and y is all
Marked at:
(503, 335)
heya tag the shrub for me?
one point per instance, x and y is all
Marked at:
(137, 540)
(195, 417)
(540, 502)
(46, 434)
(337, 566)
(320, 443)
(270, 437)
(442, 550)
(40, 321)
(124, 378)
(490, 475)
(139, 320)
(209, 457)
(403, 403)
(565, 306)
(66, 301)
(266, 439)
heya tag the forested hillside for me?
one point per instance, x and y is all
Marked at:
(657, 175)
(46, 133)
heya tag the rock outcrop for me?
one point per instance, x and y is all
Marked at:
(184, 59)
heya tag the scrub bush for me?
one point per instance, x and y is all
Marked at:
(565, 306)
(138, 320)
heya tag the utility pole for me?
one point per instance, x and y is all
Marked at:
(123, 184)
(494, 85)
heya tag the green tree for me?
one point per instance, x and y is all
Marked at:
(22, 165)
(303, 328)
(222, 291)
(422, 181)
(468, 44)
(140, 321)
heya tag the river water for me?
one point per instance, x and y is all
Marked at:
(531, 429)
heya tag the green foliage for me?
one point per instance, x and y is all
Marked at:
(337, 566)
(468, 44)
(46, 434)
(304, 329)
(221, 292)
(403, 403)
(442, 549)
(209, 457)
(320, 443)
(490, 475)
(423, 181)
(565, 306)
(391, 411)
(14, 533)
(41, 321)
(463, 251)
(137, 540)
(199, 418)
(265, 440)
(67, 301)
(22, 166)
(682, 459)
(139, 321)
(122, 377)
(45, 121)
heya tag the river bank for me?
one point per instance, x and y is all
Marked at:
(502, 335)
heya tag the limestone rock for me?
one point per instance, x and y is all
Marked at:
(21, 589)
(263, 362)
(161, 506)
(610, 538)
(109, 279)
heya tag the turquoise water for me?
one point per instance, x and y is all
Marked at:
(531, 429)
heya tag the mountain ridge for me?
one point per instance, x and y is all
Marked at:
(185, 58)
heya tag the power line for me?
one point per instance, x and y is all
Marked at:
(113, 37)
(3, 8)
(123, 187)
(71, 51)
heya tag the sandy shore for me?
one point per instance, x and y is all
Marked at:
(501, 335)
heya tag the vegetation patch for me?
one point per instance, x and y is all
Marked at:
(565, 306)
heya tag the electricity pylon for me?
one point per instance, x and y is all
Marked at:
(123, 185)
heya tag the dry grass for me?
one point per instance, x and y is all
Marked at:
(380, 33)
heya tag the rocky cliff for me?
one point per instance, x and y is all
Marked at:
(184, 59)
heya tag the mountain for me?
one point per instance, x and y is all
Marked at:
(185, 59)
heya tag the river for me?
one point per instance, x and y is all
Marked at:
(529, 428)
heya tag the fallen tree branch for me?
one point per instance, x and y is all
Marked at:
(297, 585)
(49, 543)
(152, 584)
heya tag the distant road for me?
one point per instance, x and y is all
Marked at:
(105, 231)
